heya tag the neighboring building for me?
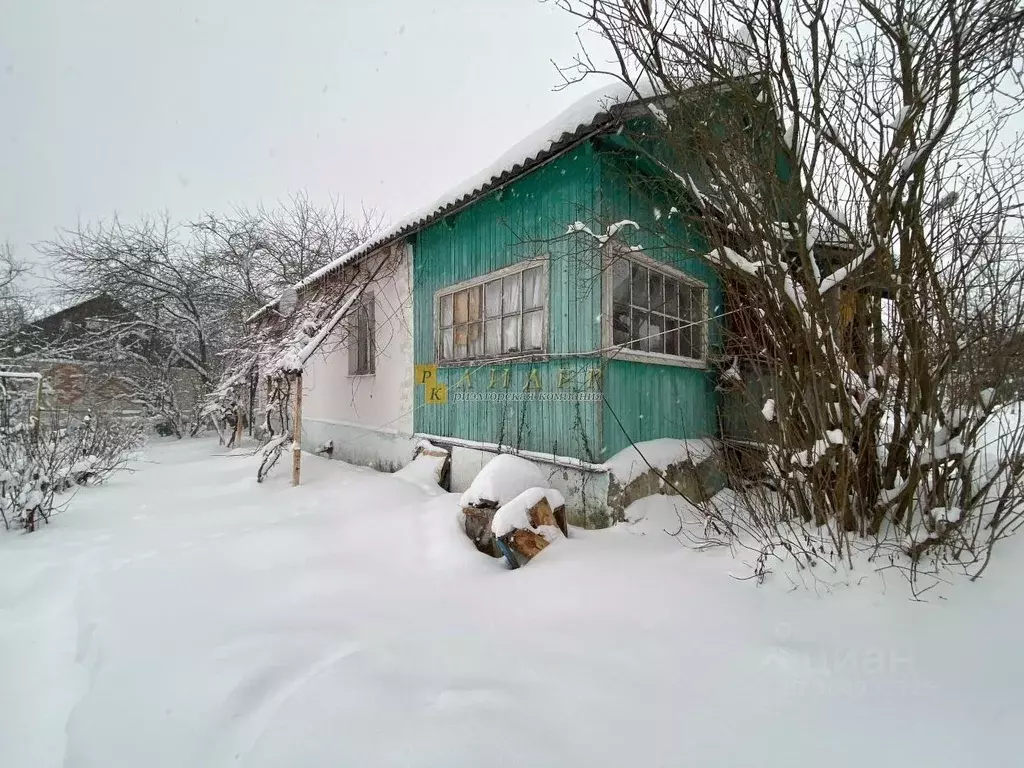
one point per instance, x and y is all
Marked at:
(57, 346)
(512, 321)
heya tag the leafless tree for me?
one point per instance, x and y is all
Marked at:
(254, 254)
(188, 289)
(14, 300)
(854, 168)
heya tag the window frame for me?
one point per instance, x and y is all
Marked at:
(367, 300)
(481, 281)
(624, 351)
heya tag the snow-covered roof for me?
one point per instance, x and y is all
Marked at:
(588, 114)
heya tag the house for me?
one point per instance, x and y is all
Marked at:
(97, 355)
(58, 346)
(532, 309)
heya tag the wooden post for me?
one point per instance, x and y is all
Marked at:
(297, 431)
(238, 425)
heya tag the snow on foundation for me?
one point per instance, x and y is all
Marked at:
(502, 479)
(630, 463)
(516, 513)
(426, 467)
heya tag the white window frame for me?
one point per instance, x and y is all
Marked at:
(366, 301)
(482, 280)
(619, 252)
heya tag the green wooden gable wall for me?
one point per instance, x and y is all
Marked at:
(575, 401)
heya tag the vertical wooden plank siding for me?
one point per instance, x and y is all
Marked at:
(644, 400)
(527, 219)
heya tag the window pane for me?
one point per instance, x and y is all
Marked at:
(475, 310)
(462, 307)
(697, 339)
(684, 301)
(492, 333)
(492, 298)
(620, 324)
(686, 336)
(533, 330)
(447, 344)
(510, 334)
(476, 340)
(532, 287)
(696, 303)
(671, 337)
(620, 281)
(461, 339)
(510, 294)
(446, 311)
(657, 292)
(362, 339)
(671, 297)
(641, 297)
(655, 341)
(638, 331)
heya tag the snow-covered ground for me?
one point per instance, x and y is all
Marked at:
(182, 615)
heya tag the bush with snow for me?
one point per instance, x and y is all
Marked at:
(40, 463)
(860, 200)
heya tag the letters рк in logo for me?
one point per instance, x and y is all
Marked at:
(503, 384)
(435, 394)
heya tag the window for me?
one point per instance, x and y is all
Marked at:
(495, 316)
(657, 311)
(362, 348)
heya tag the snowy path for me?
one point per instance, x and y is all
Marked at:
(184, 616)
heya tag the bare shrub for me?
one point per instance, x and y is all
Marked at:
(853, 169)
(39, 464)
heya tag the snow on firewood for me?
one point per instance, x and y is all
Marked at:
(516, 513)
(502, 479)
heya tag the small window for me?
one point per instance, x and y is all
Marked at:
(495, 316)
(657, 311)
(362, 346)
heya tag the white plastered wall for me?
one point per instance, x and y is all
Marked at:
(368, 418)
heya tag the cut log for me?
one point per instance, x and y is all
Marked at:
(478, 529)
(522, 544)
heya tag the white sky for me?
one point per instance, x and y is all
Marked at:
(137, 107)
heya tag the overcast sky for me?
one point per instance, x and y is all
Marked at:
(137, 107)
